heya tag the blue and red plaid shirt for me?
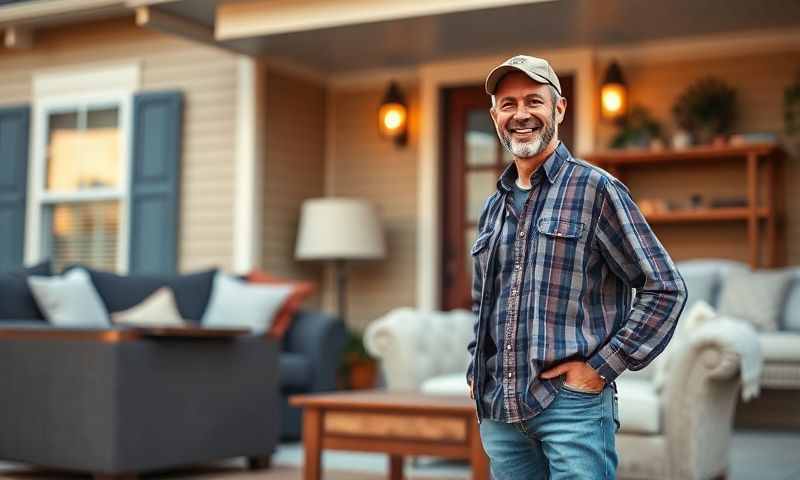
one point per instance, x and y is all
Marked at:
(555, 282)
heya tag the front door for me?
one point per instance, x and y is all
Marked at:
(473, 159)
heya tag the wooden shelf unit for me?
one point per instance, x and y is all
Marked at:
(755, 216)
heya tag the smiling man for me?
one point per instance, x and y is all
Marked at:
(561, 246)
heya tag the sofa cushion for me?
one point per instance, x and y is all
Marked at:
(121, 292)
(159, 309)
(235, 303)
(756, 296)
(639, 406)
(295, 371)
(790, 317)
(69, 300)
(16, 299)
(300, 291)
(780, 346)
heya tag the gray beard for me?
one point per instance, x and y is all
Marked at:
(532, 148)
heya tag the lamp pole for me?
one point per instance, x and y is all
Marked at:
(341, 287)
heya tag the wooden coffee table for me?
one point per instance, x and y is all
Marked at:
(395, 423)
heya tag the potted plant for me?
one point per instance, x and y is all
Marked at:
(791, 116)
(358, 369)
(707, 109)
(637, 130)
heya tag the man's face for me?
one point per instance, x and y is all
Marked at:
(525, 115)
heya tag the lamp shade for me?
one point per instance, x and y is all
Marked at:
(339, 228)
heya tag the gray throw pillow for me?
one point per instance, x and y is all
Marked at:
(791, 314)
(755, 296)
(700, 285)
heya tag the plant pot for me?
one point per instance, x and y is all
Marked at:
(363, 374)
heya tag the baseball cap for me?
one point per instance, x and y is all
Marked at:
(538, 69)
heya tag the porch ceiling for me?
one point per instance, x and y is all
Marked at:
(561, 23)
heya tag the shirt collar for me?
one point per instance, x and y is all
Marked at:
(551, 167)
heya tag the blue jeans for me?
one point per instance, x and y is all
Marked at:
(573, 438)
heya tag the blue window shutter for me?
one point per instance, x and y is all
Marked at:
(155, 172)
(14, 131)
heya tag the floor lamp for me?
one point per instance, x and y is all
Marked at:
(341, 230)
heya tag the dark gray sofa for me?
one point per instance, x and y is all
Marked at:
(128, 407)
(148, 404)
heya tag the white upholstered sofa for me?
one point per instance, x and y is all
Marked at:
(677, 428)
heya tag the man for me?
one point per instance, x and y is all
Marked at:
(560, 247)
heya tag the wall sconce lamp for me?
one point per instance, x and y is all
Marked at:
(393, 116)
(614, 93)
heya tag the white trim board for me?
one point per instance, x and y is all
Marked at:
(250, 18)
(247, 202)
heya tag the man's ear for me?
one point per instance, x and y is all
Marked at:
(493, 114)
(561, 109)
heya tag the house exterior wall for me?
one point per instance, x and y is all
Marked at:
(364, 165)
(293, 170)
(207, 76)
(759, 80)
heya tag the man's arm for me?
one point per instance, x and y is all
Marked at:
(633, 253)
(476, 291)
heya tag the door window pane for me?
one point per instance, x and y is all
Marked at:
(82, 232)
(480, 184)
(481, 140)
(83, 157)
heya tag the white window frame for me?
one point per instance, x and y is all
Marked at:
(39, 197)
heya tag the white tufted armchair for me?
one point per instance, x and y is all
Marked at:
(678, 427)
(416, 346)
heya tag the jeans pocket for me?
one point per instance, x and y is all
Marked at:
(579, 391)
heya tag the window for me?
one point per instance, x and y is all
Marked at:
(80, 191)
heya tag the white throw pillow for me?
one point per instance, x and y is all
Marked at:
(237, 304)
(157, 310)
(69, 300)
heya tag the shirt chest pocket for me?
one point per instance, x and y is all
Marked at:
(480, 250)
(556, 229)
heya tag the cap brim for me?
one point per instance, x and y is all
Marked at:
(501, 71)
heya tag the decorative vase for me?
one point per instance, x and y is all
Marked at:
(681, 140)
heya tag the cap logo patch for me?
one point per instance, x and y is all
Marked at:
(516, 61)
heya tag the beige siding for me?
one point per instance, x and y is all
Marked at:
(759, 81)
(367, 166)
(207, 77)
(293, 170)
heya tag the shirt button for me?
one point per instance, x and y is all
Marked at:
(509, 374)
(522, 234)
(508, 347)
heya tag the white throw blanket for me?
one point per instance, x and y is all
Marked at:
(736, 335)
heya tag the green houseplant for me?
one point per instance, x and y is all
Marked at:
(358, 369)
(637, 130)
(791, 116)
(706, 109)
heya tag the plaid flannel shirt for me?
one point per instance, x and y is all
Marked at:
(560, 286)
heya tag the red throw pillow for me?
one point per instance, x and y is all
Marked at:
(283, 319)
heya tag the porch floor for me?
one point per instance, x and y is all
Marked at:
(761, 454)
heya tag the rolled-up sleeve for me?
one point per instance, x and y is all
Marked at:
(634, 254)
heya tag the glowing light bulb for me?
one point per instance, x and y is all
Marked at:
(613, 100)
(393, 118)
